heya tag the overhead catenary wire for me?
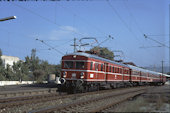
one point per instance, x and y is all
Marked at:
(140, 30)
(63, 43)
(134, 19)
(44, 18)
(159, 35)
(84, 20)
(150, 46)
(155, 41)
(24, 35)
(125, 24)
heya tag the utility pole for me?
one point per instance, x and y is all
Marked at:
(162, 68)
(74, 45)
(169, 39)
(154, 67)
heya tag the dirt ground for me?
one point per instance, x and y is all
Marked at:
(156, 99)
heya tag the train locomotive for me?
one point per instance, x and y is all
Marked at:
(83, 71)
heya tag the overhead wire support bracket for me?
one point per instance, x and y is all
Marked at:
(74, 45)
(50, 46)
(155, 41)
(109, 37)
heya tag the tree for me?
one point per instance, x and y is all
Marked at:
(103, 52)
(58, 70)
(8, 72)
(2, 77)
(32, 69)
(39, 74)
(21, 71)
(1, 62)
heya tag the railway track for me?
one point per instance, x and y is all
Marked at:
(8, 94)
(23, 100)
(18, 101)
(95, 103)
(56, 102)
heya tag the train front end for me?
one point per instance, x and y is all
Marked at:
(73, 73)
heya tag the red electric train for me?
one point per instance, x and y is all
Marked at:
(82, 72)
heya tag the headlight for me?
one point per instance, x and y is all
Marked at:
(64, 74)
(82, 75)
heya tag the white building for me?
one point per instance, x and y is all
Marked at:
(9, 60)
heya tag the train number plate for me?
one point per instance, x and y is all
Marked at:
(73, 75)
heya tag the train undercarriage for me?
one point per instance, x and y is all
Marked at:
(80, 86)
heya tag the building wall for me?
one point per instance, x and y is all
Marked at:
(9, 60)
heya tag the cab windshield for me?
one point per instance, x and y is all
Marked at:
(80, 65)
(68, 64)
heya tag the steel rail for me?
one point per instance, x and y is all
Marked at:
(100, 109)
(80, 102)
(18, 101)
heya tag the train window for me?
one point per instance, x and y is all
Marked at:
(120, 70)
(113, 70)
(125, 71)
(101, 67)
(96, 66)
(80, 65)
(68, 64)
(91, 66)
(110, 68)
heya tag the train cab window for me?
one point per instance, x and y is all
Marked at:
(80, 65)
(113, 70)
(96, 66)
(68, 64)
(91, 66)
(101, 67)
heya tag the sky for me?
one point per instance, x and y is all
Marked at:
(57, 23)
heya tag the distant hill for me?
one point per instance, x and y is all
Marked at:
(158, 69)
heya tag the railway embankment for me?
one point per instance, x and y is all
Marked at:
(156, 99)
(132, 99)
(81, 102)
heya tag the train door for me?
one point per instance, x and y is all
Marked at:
(130, 75)
(105, 71)
(123, 75)
(141, 78)
(96, 69)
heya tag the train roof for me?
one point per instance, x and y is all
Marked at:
(143, 70)
(97, 57)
